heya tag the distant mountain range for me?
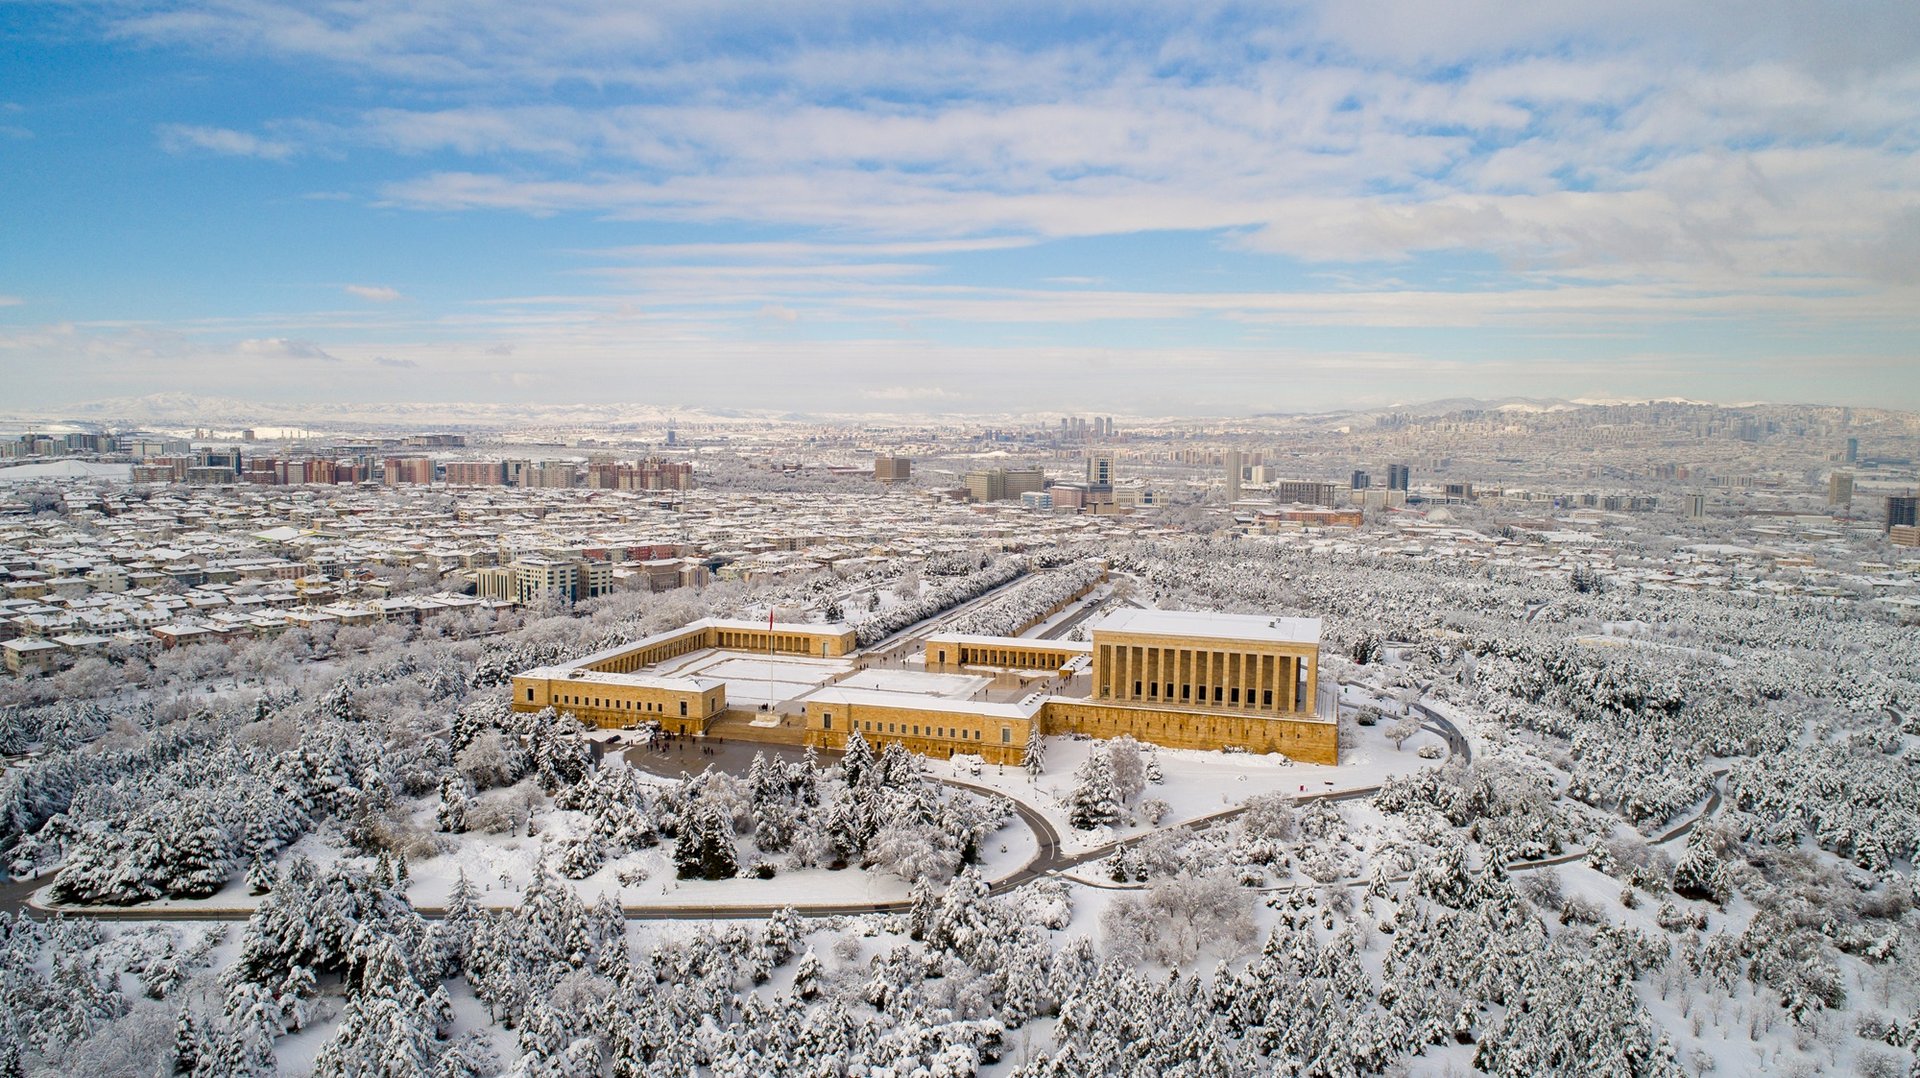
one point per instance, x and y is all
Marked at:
(186, 410)
(1524, 405)
(162, 411)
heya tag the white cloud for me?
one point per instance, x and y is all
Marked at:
(284, 348)
(803, 251)
(11, 301)
(185, 138)
(1630, 166)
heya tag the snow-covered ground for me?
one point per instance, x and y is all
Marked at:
(1197, 784)
(952, 686)
(66, 469)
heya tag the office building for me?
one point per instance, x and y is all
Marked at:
(891, 470)
(1100, 470)
(1305, 492)
(1236, 471)
(1004, 484)
(1398, 477)
(531, 579)
(1840, 488)
(1903, 509)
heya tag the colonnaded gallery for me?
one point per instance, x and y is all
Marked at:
(1181, 679)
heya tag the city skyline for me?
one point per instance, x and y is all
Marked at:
(963, 209)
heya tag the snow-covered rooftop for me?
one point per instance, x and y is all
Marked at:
(1024, 709)
(644, 681)
(1246, 627)
(1015, 641)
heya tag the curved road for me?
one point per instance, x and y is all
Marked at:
(1440, 724)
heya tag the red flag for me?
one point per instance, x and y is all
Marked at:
(769, 620)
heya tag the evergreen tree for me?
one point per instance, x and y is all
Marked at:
(705, 848)
(387, 1028)
(1094, 802)
(857, 763)
(259, 876)
(452, 816)
(1034, 757)
(189, 1044)
(806, 976)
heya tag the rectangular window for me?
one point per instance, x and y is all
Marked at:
(1186, 692)
(1234, 696)
(1266, 698)
(1136, 688)
(683, 709)
(1006, 735)
(826, 722)
(529, 694)
(1216, 694)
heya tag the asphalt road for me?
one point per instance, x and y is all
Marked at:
(1439, 724)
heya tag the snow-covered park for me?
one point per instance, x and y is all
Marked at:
(1543, 851)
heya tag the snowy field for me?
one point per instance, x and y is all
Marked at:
(951, 686)
(1197, 784)
(756, 680)
(66, 469)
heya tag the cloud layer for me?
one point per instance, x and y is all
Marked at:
(1706, 182)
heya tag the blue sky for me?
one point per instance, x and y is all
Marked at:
(1135, 208)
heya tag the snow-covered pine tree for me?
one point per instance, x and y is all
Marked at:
(857, 762)
(259, 876)
(806, 976)
(705, 848)
(1034, 758)
(1094, 802)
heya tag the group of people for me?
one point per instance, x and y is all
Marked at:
(671, 737)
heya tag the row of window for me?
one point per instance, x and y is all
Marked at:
(616, 705)
(1005, 657)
